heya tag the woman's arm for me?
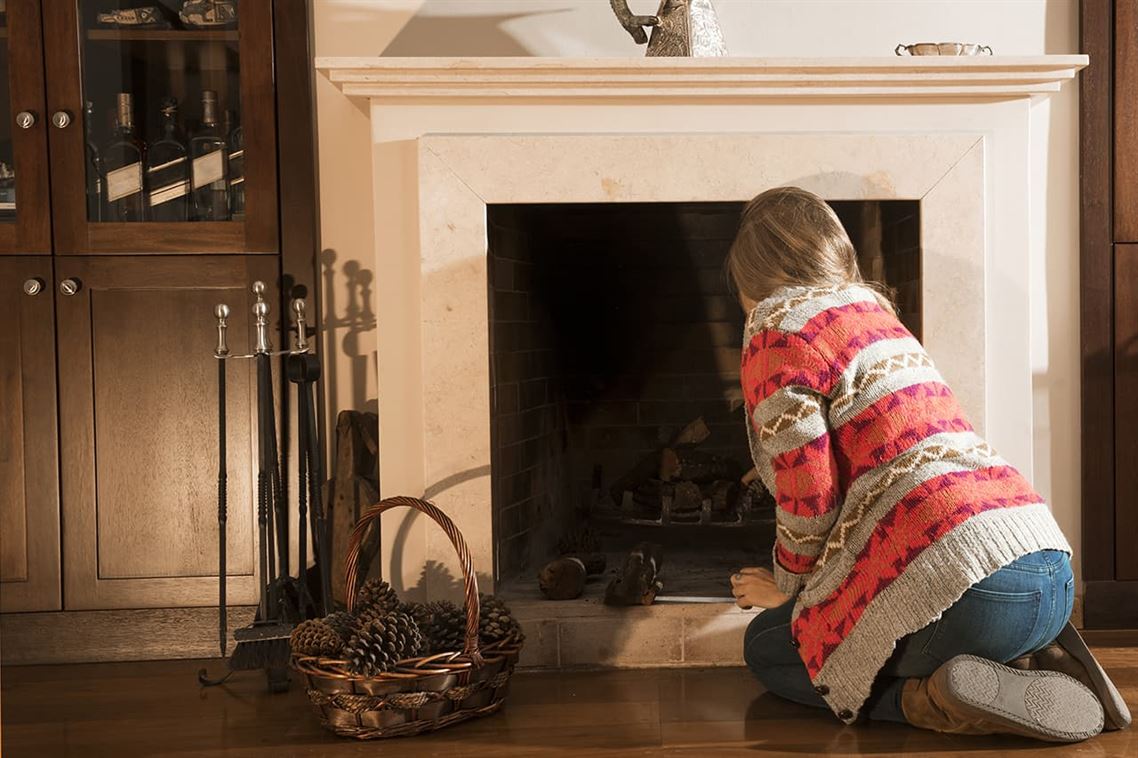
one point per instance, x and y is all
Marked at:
(791, 442)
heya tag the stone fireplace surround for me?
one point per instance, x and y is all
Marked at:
(450, 137)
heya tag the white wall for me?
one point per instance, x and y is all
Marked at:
(766, 28)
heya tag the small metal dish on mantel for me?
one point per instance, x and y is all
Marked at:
(942, 48)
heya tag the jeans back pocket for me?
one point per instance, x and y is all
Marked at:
(992, 624)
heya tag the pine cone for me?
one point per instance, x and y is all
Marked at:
(495, 622)
(383, 642)
(372, 614)
(315, 637)
(342, 623)
(375, 593)
(443, 624)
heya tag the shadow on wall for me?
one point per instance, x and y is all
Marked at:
(464, 36)
(345, 325)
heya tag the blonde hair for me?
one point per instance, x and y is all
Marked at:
(788, 236)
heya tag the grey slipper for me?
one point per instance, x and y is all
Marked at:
(1093, 675)
(1045, 705)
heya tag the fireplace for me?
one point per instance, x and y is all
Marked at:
(480, 161)
(612, 330)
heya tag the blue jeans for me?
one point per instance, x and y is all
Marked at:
(1015, 611)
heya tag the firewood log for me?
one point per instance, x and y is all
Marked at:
(351, 489)
(639, 581)
(687, 497)
(693, 465)
(694, 433)
(724, 495)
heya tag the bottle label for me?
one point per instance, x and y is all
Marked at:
(124, 182)
(171, 181)
(209, 168)
(169, 192)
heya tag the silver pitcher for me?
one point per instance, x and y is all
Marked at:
(680, 28)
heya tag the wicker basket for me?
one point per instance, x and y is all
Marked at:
(419, 694)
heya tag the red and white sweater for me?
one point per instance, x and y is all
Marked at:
(890, 505)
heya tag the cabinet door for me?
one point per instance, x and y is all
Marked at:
(29, 464)
(1126, 121)
(138, 431)
(1126, 410)
(25, 220)
(164, 138)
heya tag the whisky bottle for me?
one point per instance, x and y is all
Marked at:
(94, 167)
(210, 172)
(168, 170)
(236, 141)
(122, 164)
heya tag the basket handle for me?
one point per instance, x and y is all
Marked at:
(469, 580)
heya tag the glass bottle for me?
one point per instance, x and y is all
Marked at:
(210, 165)
(168, 169)
(122, 164)
(236, 167)
(94, 166)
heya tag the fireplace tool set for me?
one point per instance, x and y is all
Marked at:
(284, 600)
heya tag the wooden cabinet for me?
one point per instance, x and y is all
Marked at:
(137, 402)
(1108, 184)
(29, 490)
(108, 425)
(25, 213)
(89, 64)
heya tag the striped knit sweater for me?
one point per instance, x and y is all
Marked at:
(889, 505)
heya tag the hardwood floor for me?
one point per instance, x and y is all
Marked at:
(157, 709)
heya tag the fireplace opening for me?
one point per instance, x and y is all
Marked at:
(615, 404)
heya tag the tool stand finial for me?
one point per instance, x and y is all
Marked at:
(261, 319)
(221, 313)
(298, 311)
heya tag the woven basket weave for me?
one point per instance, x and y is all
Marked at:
(419, 694)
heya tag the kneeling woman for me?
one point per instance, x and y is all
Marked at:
(911, 561)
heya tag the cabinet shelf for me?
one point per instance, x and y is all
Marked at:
(163, 35)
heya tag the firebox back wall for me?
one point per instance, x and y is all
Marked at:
(612, 327)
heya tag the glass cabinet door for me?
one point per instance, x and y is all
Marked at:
(25, 226)
(154, 114)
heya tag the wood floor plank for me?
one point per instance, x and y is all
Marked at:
(157, 709)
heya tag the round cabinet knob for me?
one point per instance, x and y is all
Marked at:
(61, 119)
(70, 286)
(33, 286)
(25, 119)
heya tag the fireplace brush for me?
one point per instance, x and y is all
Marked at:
(283, 601)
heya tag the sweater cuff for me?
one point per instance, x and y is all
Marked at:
(788, 583)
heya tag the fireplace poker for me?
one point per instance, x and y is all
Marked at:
(221, 312)
(304, 371)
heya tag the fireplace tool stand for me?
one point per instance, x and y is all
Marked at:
(284, 600)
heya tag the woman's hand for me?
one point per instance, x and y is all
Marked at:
(755, 588)
(749, 477)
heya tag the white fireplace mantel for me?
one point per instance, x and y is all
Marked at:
(977, 77)
(450, 136)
